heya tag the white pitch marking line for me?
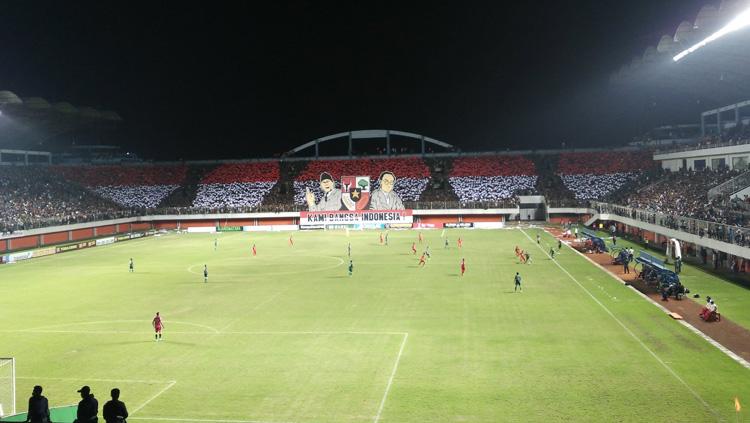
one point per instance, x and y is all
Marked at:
(95, 380)
(100, 322)
(105, 332)
(171, 384)
(633, 335)
(180, 419)
(316, 333)
(390, 379)
(692, 328)
(78, 332)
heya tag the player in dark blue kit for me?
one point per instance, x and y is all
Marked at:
(517, 280)
(351, 267)
(205, 273)
(131, 266)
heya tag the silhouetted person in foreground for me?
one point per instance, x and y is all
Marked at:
(38, 407)
(114, 410)
(88, 407)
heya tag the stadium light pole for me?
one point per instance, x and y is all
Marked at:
(740, 21)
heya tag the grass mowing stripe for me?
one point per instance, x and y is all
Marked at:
(390, 379)
(633, 335)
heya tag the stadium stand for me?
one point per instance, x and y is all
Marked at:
(594, 175)
(184, 196)
(439, 190)
(237, 185)
(33, 196)
(142, 186)
(685, 194)
(548, 182)
(412, 175)
(492, 178)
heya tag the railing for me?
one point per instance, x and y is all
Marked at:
(702, 146)
(733, 234)
(731, 186)
(9, 227)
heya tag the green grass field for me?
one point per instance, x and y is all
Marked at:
(288, 336)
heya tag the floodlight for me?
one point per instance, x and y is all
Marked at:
(741, 21)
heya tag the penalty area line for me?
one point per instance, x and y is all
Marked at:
(633, 335)
(171, 384)
(390, 379)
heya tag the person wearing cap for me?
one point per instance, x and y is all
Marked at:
(88, 407)
(114, 410)
(331, 199)
(38, 407)
(384, 198)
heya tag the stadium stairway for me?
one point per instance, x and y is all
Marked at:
(438, 189)
(185, 194)
(737, 185)
(548, 182)
(283, 191)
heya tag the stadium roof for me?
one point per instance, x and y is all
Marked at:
(33, 121)
(718, 73)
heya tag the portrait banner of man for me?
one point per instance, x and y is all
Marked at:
(384, 198)
(331, 199)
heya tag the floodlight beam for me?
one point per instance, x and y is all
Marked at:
(741, 21)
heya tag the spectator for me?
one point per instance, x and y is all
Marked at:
(38, 407)
(88, 407)
(114, 411)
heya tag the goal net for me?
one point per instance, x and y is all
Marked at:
(7, 386)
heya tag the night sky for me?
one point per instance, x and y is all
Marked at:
(247, 79)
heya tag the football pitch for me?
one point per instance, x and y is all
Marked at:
(288, 336)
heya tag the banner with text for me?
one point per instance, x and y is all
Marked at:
(355, 217)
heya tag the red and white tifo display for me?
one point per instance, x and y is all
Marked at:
(237, 185)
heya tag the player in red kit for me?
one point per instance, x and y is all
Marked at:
(381, 237)
(255, 253)
(413, 248)
(463, 266)
(460, 242)
(522, 257)
(291, 241)
(158, 326)
(422, 261)
(420, 238)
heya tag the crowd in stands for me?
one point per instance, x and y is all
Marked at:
(412, 175)
(32, 196)
(492, 178)
(234, 185)
(39, 195)
(595, 175)
(141, 186)
(683, 194)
